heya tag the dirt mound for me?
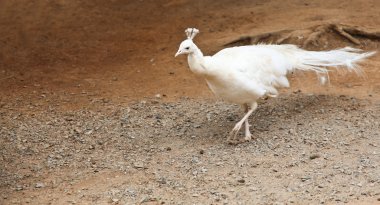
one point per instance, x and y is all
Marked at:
(318, 37)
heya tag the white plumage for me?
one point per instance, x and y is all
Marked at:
(244, 74)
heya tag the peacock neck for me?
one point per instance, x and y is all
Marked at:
(196, 62)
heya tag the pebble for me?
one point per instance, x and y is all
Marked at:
(138, 165)
(161, 180)
(305, 178)
(219, 163)
(40, 185)
(314, 156)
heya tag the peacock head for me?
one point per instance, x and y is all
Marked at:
(187, 46)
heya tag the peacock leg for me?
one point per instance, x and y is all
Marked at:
(248, 135)
(235, 130)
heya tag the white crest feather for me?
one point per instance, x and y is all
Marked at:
(191, 33)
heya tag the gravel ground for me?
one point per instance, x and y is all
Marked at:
(69, 134)
(307, 149)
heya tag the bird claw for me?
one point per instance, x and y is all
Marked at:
(248, 137)
(235, 131)
(236, 128)
(232, 138)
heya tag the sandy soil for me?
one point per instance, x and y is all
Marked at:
(80, 123)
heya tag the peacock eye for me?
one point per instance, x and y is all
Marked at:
(187, 48)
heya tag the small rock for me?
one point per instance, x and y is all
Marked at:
(314, 156)
(114, 200)
(305, 178)
(40, 185)
(241, 181)
(88, 132)
(138, 165)
(105, 100)
(291, 200)
(19, 188)
(72, 202)
(201, 151)
(195, 160)
(209, 117)
(161, 180)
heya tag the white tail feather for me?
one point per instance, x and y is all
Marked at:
(318, 61)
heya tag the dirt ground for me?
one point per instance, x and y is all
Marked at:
(95, 109)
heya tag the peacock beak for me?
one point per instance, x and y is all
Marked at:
(178, 53)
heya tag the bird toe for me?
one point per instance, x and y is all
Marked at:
(236, 128)
(248, 137)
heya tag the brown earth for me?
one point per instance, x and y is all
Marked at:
(80, 123)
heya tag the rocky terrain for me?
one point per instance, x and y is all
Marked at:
(94, 109)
